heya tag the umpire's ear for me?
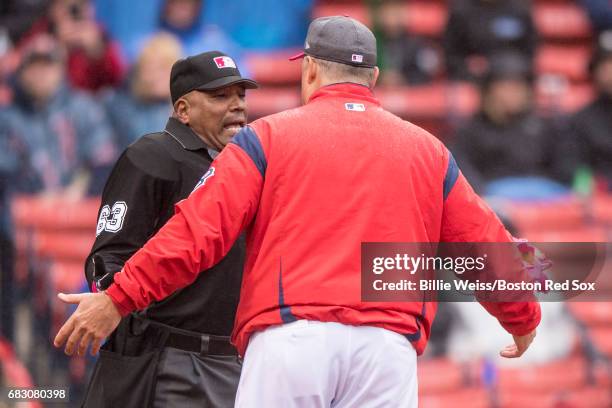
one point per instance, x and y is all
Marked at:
(181, 110)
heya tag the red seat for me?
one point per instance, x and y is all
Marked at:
(274, 67)
(561, 21)
(427, 18)
(589, 397)
(569, 98)
(602, 208)
(556, 215)
(470, 397)
(64, 245)
(592, 313)
(422, 17)
(67, 277)
(272, 100)
(568, 61)
(439, 376)
(356, 10)
(434, 101)
(562, 375)
(55, 213)
(580, 234)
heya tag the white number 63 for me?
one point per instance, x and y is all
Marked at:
(111, 219)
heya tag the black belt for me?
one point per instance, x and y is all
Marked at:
(204, 344)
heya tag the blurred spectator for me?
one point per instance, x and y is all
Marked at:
(404, 58)
(17, 16)
(94, 60)
(591, 128)
(476, 29)
(261, 24)
(182, 18)
(143, 104)
(129, 21)
(59, 138)
(600, 12)
(505, 138)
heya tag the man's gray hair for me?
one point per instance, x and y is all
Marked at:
(347, 73)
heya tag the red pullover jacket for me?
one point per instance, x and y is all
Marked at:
(309, 185)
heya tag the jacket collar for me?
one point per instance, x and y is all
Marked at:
(184, 135)
(345, 90)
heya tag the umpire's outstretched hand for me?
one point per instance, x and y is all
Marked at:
(94, 319)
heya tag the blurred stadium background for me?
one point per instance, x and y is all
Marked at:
(80, 79)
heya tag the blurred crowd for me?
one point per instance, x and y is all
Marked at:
(82, 79)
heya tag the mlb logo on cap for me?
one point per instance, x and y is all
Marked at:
(357, 58)
(224, 62)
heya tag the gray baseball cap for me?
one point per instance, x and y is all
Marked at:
(340, 39)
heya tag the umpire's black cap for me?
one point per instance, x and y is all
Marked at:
(207, 71)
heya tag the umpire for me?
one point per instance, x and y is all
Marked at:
(177, 352)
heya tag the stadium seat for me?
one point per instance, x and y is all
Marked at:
(589, 397)
(427, 18)
(430, 103)
(568, 61)
(55, 213)
(561, 21)
(469, 397)
(271, 100)
(568, 374)
(570, 98)
(356, 10)
(592, 233)
(602, 208)
(63, 245)
(67, 276)
(439, 376)
(274, 68)
(592, 313)
(434, 101)
(562, 214)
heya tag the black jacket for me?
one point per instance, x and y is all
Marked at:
(591, 135)
(150, 177)
(486, 151)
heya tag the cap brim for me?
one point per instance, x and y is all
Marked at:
(297, 56)
(227, 81)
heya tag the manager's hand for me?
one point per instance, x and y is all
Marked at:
(94, 319)
(520, 346)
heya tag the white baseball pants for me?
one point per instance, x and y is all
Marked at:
(323, 365)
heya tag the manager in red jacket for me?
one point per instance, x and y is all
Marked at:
(309, 185)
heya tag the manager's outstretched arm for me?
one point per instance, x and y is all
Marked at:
(467, 218)
(199, 235)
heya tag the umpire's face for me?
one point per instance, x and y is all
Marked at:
(216, 116)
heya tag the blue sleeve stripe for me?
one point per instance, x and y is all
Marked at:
(248, 141)
(452, 173)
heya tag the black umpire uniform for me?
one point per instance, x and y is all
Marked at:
(176, 353)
